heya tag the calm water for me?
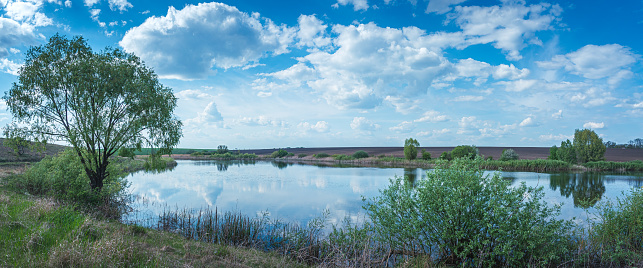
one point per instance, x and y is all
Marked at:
(297, 193)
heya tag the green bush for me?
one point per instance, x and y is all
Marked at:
(63, 177)
(279, 154)
(360, 154)
(617, 233)
(426, 155)
(509, 154)
(302, 155)
(321, 155)
(126, 152)
(466, 151)
(636, 165)
(462, 217)
(445, 156)
(342, 157)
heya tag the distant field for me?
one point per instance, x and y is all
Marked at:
(619, 155)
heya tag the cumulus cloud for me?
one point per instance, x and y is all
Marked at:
(357, 4)
(261, 121)
(121, 5)
(556, 138)
(312, 32)
(557, 115)
(596, 62)
(432, 117)
(191, 94)
(508, 27)
(518, 85)
(403, 127)
(26, 12)
(13, 34)
(361, 123)
(209, 115)
(10, 67)
(528, 122)
(320, 126)
(594, 125)
(188, 43)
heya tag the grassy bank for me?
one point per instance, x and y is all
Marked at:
(42, 232)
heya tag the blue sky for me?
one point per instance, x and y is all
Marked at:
(268, 74)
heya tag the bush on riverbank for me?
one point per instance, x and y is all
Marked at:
(636, 165)
(459, 216)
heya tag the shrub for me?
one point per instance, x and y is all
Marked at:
(445, 156)
(426, 155)
(360, 154)
(321, 155)
(63, 177)
(467, 151)
(509, 154)
(302, 155)
(588, 146)
(410, 148)
(279, 154)
(463, 217)
(553, 153)
(618, 230)
(342, 157)
(126, 152)
(566, 152)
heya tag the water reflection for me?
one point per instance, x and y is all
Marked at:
(585, 188)
(281, 165)
(410, 175)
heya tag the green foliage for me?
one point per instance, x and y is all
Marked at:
(445, 156)
(553, 153)
(636, 165)
(360, 154)
(279, 153)
(302, 155)
(342, 157)
(536, 165)
(63, 177)
(126, 152)
(617, 233)
(566, 152)
(509, 154)
(96, 102)
(321, 155)
(410, 148)
(588, 146)
(426, 155)
(465, 218)
(466, 151)
(222, 149)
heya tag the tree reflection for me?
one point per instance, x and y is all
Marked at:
(223, 166)
(281, 165)
(585, 188)
(410, 175)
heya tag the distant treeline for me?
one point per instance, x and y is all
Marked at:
(635, 143)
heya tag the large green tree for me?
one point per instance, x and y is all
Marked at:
(97, 102)
(588, 146)
(410, 148)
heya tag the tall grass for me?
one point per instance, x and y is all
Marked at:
(636, 165)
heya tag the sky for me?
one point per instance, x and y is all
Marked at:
(320, 73)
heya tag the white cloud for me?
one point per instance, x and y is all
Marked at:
(261, 121)
(504, 71)
(528, 122)
(10, 67)
(27, 12)
(361, 123)
(596, 62)
(441, 6)
(67, 3)
(468, 98)
(191, 94)
(432, 117)
(638, 105)
(557, 115)
(557, 138)
(188, 43)
(357, 4)
(433, 133)
(518, 85)
(404, 127)
(14, 34)
(594, 125)
(507, 26)
(209, 115)
(91, 3)
(121, 5)
(320, 126)
(312, 32)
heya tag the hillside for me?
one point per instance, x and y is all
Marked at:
(7, 154)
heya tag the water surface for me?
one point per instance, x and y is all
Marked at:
(297, 193)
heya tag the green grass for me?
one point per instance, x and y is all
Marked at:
(39, 232)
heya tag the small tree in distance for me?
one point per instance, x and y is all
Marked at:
(588, 146)
(410, 148)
